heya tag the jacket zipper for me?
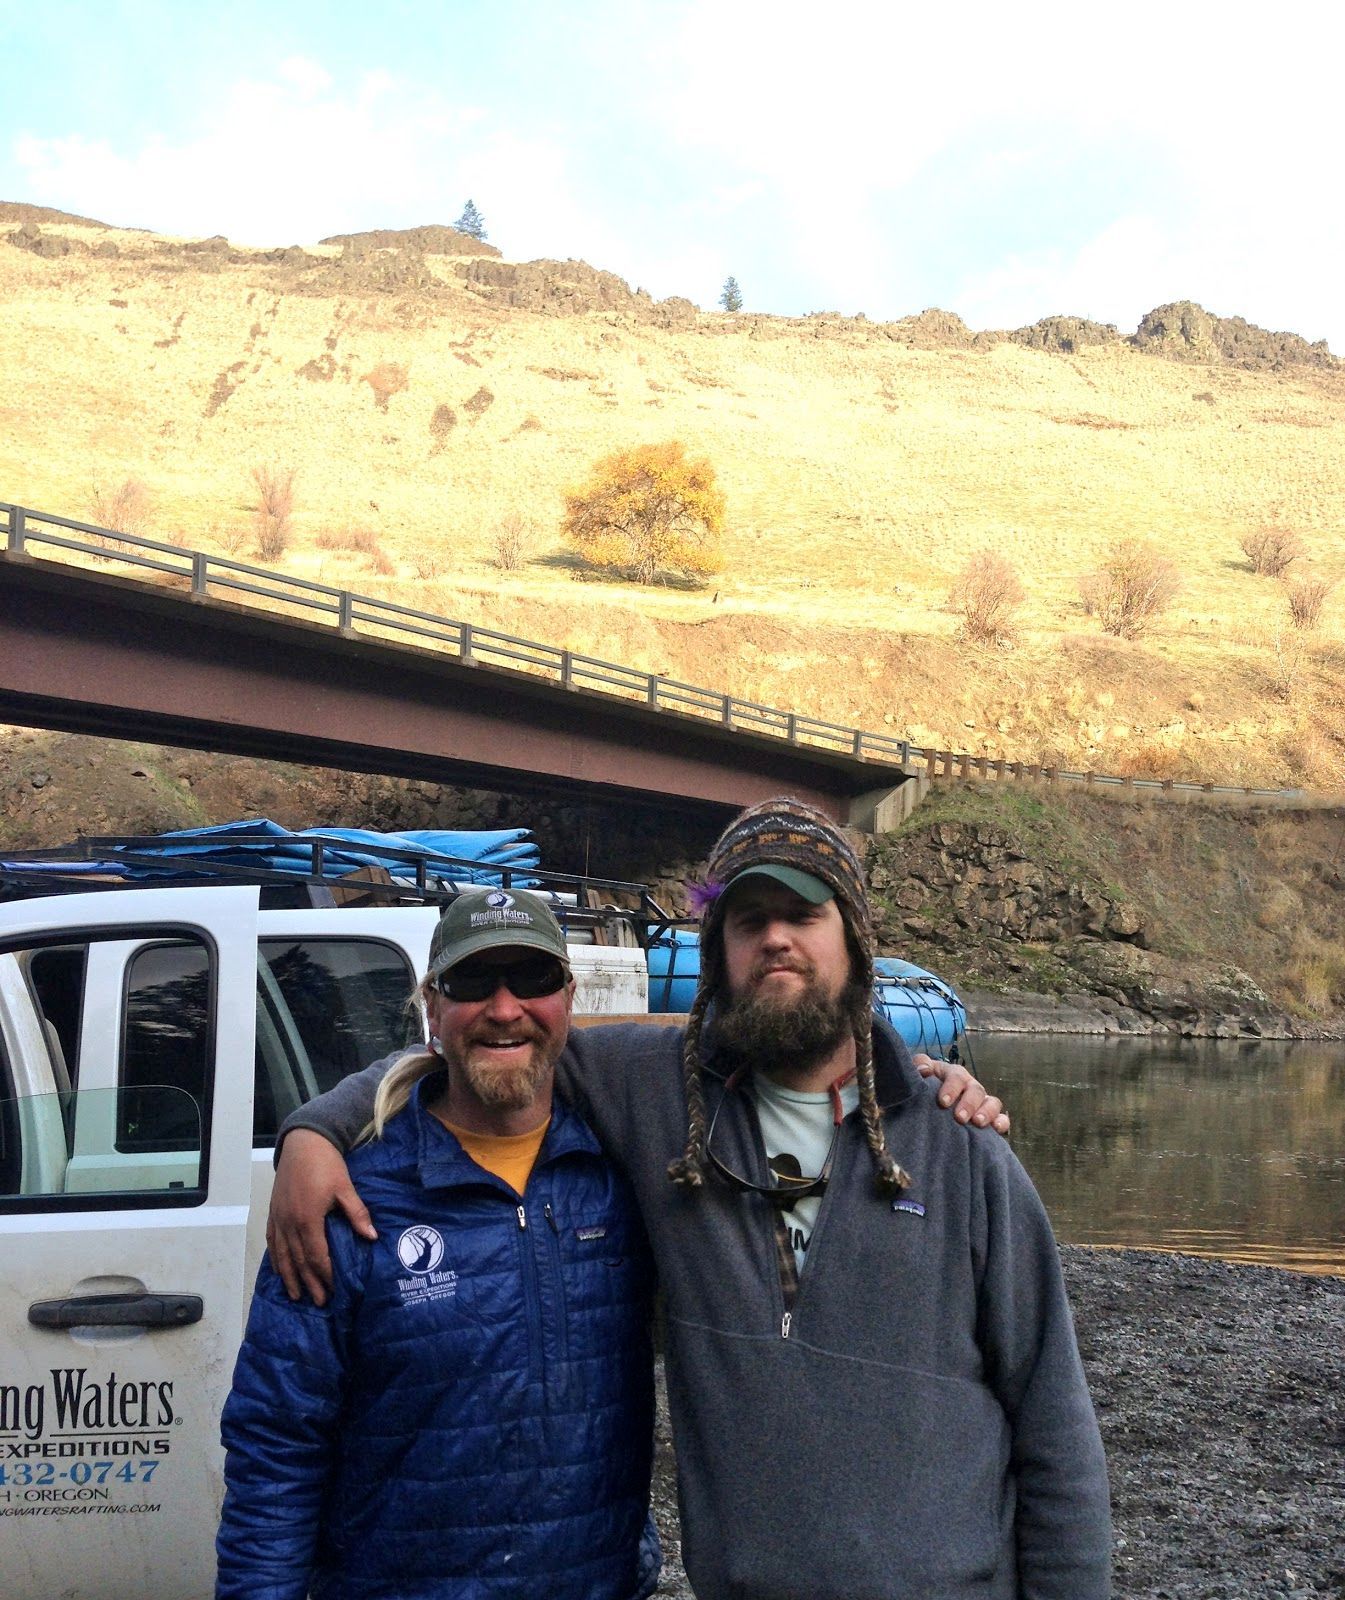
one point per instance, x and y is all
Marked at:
(561, 1324)
(532, 1300)
(787, 1321)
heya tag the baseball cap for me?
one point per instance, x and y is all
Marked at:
(807, 887)
(495, 919)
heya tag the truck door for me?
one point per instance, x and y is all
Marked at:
(123, 1208)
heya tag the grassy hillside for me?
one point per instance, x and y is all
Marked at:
(425, 400)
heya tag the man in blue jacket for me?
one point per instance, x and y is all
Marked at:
(469, 1415)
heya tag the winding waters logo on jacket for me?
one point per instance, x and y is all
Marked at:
(420, 1249)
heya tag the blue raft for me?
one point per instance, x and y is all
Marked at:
(924, 1010)
(258, 843)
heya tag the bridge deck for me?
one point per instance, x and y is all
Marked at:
(94, 653)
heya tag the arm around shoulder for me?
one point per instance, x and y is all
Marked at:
(311, 1178)
(343, 1113)
(608, 1071)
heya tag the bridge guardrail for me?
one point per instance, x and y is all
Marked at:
(474, 645)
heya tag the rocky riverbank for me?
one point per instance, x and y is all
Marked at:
(1220, 1391)
(1022, 1011)
(1120, 917)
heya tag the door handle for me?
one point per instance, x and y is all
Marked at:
(117, 1311)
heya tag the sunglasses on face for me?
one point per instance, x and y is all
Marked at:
(525, 980)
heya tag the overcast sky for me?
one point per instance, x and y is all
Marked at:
(1002, 161)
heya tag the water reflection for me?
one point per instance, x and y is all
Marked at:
(1215, 1148)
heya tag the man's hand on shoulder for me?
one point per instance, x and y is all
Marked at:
(963, 1094)
(311, 1180)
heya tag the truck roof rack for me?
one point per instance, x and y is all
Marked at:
(324, 869)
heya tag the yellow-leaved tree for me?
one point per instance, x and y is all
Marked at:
(647, 510)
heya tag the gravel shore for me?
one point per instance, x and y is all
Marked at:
(1220, 1391)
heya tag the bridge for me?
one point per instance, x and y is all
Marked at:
(204, 651)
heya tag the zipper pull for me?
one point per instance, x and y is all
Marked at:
(551, 1217)
(784, 1324)
(522, 1217)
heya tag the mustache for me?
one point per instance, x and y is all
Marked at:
(494, 1033)
(798, 964)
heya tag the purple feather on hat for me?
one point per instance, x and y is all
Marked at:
(703, 895)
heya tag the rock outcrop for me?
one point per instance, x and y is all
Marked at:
(1065, 335)
(433, 239)
(968, 901)
(1185, 331)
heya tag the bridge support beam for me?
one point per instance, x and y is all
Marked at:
(884, 810)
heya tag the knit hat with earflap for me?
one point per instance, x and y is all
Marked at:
(785, 833)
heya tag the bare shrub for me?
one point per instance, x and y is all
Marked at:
(1286, 665)
(1135, 584)
(125, 509)
(363, 541)
(231, 539)
(1271, 551)
(272, 513)
(1306, 597)
(386, 379)
(988, 593)
(1145, 760)
(478, 404)
(1314, 759)
(511, 542)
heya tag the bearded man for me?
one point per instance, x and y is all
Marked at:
(872, 1374)
(468, 1415)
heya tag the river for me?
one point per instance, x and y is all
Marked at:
(1234, 1150)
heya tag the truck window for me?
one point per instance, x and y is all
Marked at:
(165, 1044)
(57, 977)
(11, 1141)
(105, 1083)
(332, 1006)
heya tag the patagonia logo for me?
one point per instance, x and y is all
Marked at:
(913, 1206)
(590, 1233)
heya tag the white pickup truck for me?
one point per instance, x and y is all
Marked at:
(151, 1041)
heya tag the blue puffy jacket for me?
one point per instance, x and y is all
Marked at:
(470, 1415)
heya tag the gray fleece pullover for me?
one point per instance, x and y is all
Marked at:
(919, 1427)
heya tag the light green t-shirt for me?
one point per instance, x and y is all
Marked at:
(796, 1126)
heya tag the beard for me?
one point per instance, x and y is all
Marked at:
(794, 1034)
(502, 1088)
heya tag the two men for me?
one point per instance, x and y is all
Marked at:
(874, 1385)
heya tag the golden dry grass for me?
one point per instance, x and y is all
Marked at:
(860, 475)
